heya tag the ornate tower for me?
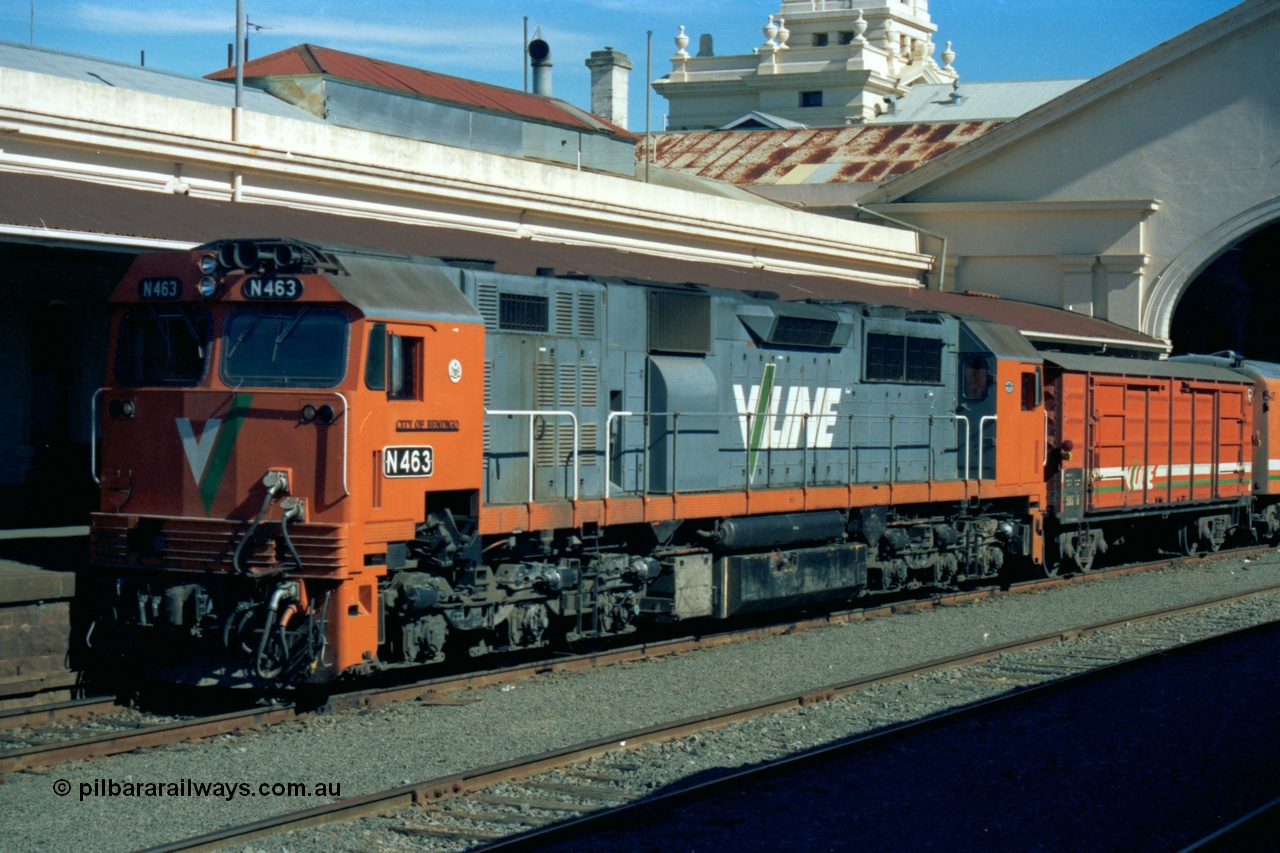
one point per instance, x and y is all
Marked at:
(822, 63)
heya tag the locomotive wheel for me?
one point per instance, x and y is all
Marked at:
(1189, 540)
(1272, 534)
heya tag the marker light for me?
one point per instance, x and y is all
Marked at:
(208, 286)
(208, 264)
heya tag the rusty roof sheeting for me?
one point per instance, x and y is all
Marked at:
(867, 153)
(305, 59)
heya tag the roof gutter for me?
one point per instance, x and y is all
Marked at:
(942, 260)
(1156, 346)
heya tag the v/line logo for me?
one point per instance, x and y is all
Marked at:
(772, 417)
(209, 453)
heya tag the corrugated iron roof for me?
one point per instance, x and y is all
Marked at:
(121, 75)
(866, 153)
(998, 101)
(307, 59)
(69, 205)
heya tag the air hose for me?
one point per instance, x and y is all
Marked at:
(276, 483)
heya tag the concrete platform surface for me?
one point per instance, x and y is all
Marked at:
(39, 564)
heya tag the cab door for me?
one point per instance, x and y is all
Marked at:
(426, 418)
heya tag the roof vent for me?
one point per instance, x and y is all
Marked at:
(540, 61)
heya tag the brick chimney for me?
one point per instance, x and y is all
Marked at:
(610, 71)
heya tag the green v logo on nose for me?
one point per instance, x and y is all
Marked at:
(209, 453)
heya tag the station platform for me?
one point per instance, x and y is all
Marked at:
(38, 611)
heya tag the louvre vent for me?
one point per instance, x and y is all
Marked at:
(565, 387)
(566, 380)
(487, 304)
(544, 399)
(587, 314)
(803, 332)
(679, 322)
(590, 386)
(564, 313)
(488, 400)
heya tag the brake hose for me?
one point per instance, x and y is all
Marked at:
(278, 483)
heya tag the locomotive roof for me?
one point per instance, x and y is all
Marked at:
(1141, 367)
(1003, 341)
(1234, 362)
(402, 288)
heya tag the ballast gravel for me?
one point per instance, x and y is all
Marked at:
(134, 801)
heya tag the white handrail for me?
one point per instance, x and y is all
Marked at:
(346, 427)
(93, 435)
(531, 414)
(608, 457)
(965, 418)
(982, 432)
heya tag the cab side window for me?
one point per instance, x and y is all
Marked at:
(393, 364)
(375, 365)
(404, 367)
(976, 378)
(1032, 390)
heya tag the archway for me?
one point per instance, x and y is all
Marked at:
(1234, 303)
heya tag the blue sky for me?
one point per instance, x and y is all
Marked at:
(993, 39)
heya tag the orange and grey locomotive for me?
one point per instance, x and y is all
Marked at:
(318, 460)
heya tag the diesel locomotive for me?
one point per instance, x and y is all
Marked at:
(319, 461)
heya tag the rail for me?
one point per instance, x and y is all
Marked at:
(796, 438)
(982, 446)
(533, 414)
(93, 435)
(346, 435)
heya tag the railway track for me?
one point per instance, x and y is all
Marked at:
(595, 780)
(808, 798)
(84, 729)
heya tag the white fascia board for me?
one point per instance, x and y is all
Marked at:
(343, 169)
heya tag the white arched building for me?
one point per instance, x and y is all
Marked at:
(1111, 198)
(1106, 197)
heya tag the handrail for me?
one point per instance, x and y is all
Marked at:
(346, 428)
(982, 433)
(93, 435)
(608, 455)
(534, 413)
(803, 444)
(965, 418)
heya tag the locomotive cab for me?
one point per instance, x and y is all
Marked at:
(257, 394)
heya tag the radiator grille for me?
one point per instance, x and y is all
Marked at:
(207, 544)
(679, 322)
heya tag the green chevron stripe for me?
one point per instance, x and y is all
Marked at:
(762, 412)
(212, 480)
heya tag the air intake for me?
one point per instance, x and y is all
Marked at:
(679, 322)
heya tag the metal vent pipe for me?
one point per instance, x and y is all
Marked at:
(540, 60)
